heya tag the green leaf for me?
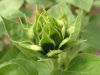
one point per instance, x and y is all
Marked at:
(27, 11)
(8, 10)
(63, 22)
(45, 66)
(19, 38)
(74, 29)
(56, 72)
(59, 9)
(29, 65)
(63, 42)
(55, 35)
(18, 67)
(96, 3)
(84, 64)
(53, 53)
(92, 31)
(82, 4)
(37, 27)
(44, 3)
(15, 30)
(30, 46)
(11, 52)
(29, 53)
(87, 48)
(63, 31)
(66, 57)
(9, 69)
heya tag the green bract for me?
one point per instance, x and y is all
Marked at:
(55, 34)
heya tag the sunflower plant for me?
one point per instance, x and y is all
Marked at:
(49, 46)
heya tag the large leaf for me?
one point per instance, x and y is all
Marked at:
(83, 4)
(30, 53)
(17, 35)
(10, 7)
(66, 57)
(15, 30)
(28, 65)
(84, 64)
(9, 69)
(88, 48)
(59, 9)
(45, 66)
(9, 53)
(18, 67)
(92, 32)
(97, 3)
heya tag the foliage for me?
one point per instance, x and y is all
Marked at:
(12, 9)
(57, 43)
